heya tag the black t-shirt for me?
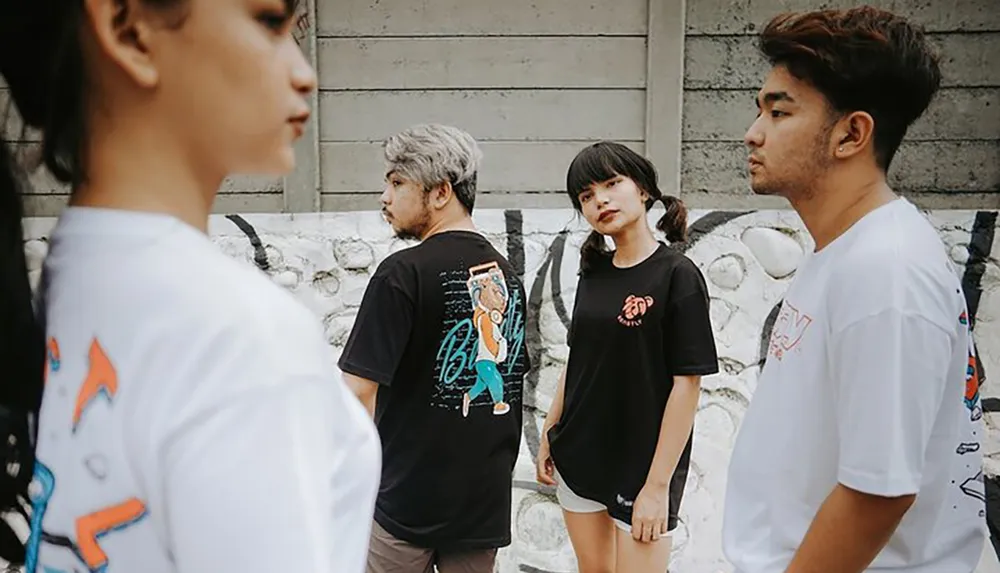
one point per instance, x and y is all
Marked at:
(633, 329)
(441, 330)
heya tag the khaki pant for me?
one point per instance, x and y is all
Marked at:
(386, 554)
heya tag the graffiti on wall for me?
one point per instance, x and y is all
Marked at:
(748, 258)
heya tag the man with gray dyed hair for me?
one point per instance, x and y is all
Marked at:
(437, 356)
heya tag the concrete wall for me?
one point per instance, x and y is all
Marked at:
(530, 80)
(950, 158)
(536, 80)
(748, 257)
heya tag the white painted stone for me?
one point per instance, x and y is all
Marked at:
(960, 254)
(540, 524)
(326, 282)
(727, 272)
(338, 328)
(275, 258)
(354, 255)
(352, 288)
(287, 279)
(777, 252)
(720, 313)
(35, 252)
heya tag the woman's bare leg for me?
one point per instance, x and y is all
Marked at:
(593, 539)
(639, 557)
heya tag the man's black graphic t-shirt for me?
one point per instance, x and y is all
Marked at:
(441, 330)
(633, 329)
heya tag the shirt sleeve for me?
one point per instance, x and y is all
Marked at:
(278, 478)
(381, 329)
(890, 371)
(688, 340)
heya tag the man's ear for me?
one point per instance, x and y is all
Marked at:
(853, 134)
(441, 194)
(122, 31)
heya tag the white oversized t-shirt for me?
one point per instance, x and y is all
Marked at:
(867, 383)
(193, 420)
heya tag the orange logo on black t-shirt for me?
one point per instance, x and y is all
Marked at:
(634, 309)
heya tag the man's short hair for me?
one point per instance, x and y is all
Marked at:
(862, 59)
(432, 154)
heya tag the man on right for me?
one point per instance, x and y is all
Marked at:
(860, 449)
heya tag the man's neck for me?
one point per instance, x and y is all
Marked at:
(837, 203)
(457, 223)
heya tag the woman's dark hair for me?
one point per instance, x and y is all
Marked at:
(861, 59)
(41, 61)
(22, 353)
(605, 160)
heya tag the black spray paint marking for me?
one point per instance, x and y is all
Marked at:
(514, 223)
(556, 254)
(706, 224)
(765, 334)
(980, 245)
(259, 254)
(530, 569)
(534, 336)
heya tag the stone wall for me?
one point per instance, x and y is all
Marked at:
(748, 257)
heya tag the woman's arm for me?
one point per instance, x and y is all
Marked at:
(649, 519)
(555, 410)
(678, 419)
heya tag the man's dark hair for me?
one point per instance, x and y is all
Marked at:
(862, 59)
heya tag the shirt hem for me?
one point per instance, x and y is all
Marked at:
(702, 370)
(872, 485)
(349, 367)
(428, 542)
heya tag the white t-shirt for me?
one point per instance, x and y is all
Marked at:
(865, 384)
(193, 420)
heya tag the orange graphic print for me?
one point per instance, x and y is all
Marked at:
(101, 379)
(634, 309)
(52, 358)
(789, 329)
(91, 527)
(972, 382)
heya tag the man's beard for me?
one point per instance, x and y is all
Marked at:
(416, 229)
(800, 181)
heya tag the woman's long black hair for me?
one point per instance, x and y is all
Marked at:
(604, 161)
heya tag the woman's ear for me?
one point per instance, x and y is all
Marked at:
(121, 30)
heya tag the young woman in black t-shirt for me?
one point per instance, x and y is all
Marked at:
(617, 439)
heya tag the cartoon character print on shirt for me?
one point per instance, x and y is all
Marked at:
(478, 350)
(489, 301)
(634, 309)
(101, 382)
(973, 486)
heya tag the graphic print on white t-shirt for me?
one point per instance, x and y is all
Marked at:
(789, 328)
(974, 485)
(82, 546)
(177, 433)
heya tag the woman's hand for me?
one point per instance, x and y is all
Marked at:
(544, 468)
(649, 514)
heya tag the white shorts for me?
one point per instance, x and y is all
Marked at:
(572, 503)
